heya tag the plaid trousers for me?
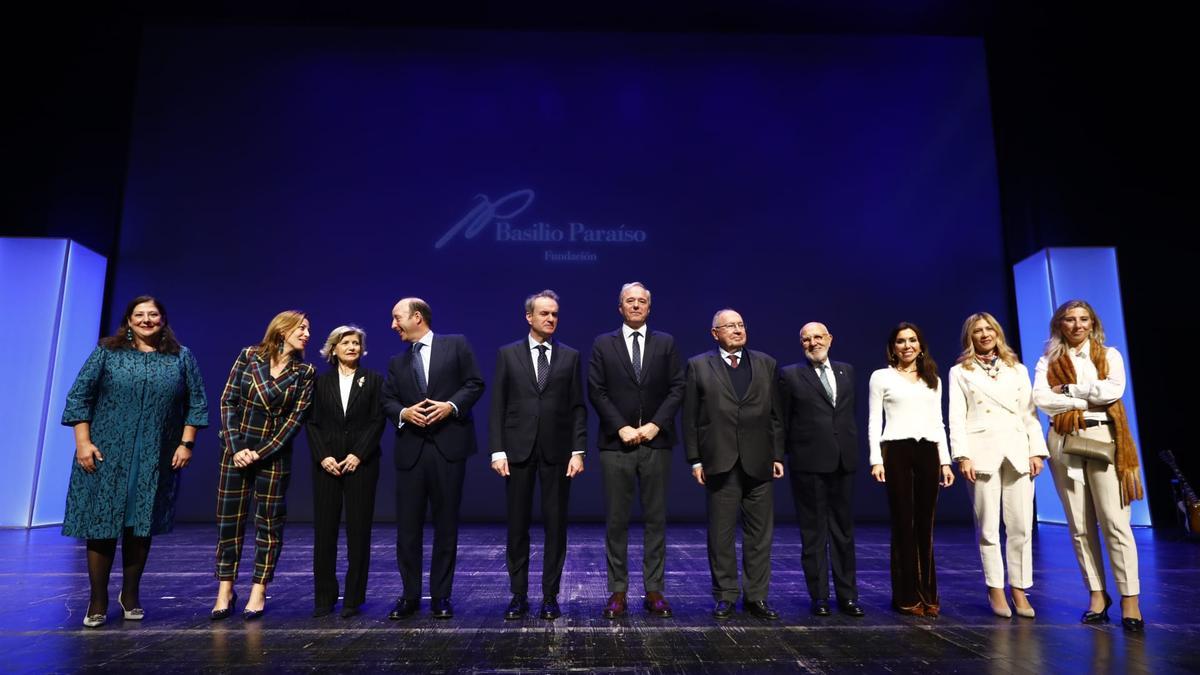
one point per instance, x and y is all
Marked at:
(269, 481)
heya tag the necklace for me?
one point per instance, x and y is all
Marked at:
(990, 365)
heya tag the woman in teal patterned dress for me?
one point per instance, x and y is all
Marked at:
(135, 405)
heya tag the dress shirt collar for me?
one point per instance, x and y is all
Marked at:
(427, 340)
(1084, 351)
(533, 344)
(626, 331)
(725, 355)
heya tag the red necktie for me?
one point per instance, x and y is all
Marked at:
(733, 360)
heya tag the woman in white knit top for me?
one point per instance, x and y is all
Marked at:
(997, 441)
(909, 453)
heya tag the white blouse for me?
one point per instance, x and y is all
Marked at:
(345, 384)
(1090, 393)
(912, 409)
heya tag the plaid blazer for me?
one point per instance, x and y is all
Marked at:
(260, 413)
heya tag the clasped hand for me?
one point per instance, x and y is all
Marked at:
(427, 412)
(336, 468)
(638, 435)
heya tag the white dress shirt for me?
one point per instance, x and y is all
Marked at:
(725, 356)
(912, 409)
(628, 333)
(426, 359)
(345, 384)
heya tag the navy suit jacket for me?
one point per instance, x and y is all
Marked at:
(621, 400)
(454, 377)
(821, 436)
(555, 419)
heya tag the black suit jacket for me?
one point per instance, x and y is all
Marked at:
(335, 433)
(555, 418)
(621, 400)
(821, 436)
(454, 377)
(718, 428)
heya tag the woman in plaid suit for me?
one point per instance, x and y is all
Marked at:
(262, 407)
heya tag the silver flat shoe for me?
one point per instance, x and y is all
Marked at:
(94, 620)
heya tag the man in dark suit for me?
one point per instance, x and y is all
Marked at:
(635, 383)
(427, 396)
(822, 444)
(732, 430)
(537, 431)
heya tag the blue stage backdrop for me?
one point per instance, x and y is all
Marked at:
(849, 180)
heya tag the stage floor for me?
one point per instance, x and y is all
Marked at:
(44, 584)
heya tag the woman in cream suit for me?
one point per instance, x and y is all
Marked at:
(997, 441)
(1079, 382)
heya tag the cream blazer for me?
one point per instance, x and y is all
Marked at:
(994, 420)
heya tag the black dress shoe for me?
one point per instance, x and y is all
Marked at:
(324, 610)
(722, 610)
(1097, 617)
(517, 607)
(405, 607)
(441, 608)
(1133, 625)
(218, 614)
(820, 608)
(760, 609)
(348, 612)
(550, 610)
(851, 608)
(253, 614)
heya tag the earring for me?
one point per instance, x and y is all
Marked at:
(281, 346)
(128, 334)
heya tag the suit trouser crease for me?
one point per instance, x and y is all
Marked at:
(555, 490)
(912, 472)
(356, 491)
(1008, 493)
(268, 481)
(643, 468)
(826, 519)
(1091, 505)
(728, 494)
(432, 483)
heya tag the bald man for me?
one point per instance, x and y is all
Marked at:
(822, 448)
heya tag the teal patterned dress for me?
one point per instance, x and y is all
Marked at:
(137, 404)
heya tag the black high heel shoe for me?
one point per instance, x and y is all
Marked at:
(218, 614)
(1097, 617)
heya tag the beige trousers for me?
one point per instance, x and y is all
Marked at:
(1009, 492)
(1091, 505)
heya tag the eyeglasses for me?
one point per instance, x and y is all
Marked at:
(731, 326)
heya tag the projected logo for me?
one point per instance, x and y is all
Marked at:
(497, 220)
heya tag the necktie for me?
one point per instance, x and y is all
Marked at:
(419, 367)
(637, 356)
(543, 367)
(733, 360)
(824, 370)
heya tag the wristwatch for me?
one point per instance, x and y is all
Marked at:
(188, 444)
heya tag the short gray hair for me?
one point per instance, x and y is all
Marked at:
(540, 294)
(720, 312)
(337, 335)
(632, 284)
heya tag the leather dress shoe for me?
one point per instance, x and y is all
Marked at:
(550, 610)
(441, 608)
(253, 614)
(323, 610)
(1133, 625)
(616, 605)
(916, 610)
(657, 605)
(517, 608)
(760, 609)
(219, 614)
(932, 611)
(820, 608)
(1097, 617)
(405, 607)
(348, 612)
(722, 610)
(851, 608)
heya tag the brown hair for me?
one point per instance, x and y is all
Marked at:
(967, 357)
(277, 331)
(1057, 343)
(926, 368)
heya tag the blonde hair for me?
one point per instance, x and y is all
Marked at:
(1057, 344)
(967, 357)
(277, 331)
(337, 335)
